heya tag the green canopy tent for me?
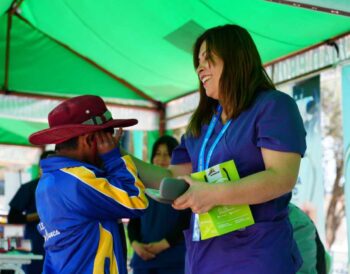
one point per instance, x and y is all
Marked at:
(17, 131)
(136, 53)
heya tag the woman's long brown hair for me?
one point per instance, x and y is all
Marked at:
(243, 74)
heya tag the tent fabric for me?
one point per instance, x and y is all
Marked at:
(139, 52)
(36, 110)
(17, 131)
(341, 6)
(147, 43)
(38, 65)
(4, 6)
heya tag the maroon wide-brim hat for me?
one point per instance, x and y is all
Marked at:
(77, 116)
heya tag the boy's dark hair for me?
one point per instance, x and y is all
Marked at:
(69, 144)
(46, 154)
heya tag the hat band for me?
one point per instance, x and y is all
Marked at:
(99, 120)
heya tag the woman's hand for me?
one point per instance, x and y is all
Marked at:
(142, 250)
(158, 247)
(200, 197)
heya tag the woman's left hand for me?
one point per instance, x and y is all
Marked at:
(199, 197)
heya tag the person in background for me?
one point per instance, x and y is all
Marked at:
(157, 237)
(23, 211)
(85, 188)
(240, 118)
(312, 250)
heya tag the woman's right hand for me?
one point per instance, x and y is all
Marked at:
(141, 250)
(199, 197)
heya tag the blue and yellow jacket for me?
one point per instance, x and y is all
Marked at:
(79, 206)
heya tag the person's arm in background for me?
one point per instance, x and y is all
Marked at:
(134, 234)
(32, 217)
(304, 233)
(20, 203)
(24, 201)
(16, 217)
(176, 235)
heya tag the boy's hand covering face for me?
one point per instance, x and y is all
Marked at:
(106, 141)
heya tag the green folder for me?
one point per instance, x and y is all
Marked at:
(222, 219)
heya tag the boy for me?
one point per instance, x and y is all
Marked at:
(85, 188)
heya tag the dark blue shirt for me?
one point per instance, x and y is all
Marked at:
(161, 221)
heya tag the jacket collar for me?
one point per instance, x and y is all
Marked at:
(55, 162)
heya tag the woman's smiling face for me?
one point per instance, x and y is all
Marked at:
(209, 71)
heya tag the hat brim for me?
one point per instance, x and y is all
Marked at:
(59, 134)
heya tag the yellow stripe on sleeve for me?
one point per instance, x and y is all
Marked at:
(130, 166)
(103, 186)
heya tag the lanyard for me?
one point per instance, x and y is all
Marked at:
(202, 165)
(205, 164)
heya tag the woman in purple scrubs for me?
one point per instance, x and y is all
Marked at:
(240, 117)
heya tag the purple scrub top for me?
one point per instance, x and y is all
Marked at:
(273, 122)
